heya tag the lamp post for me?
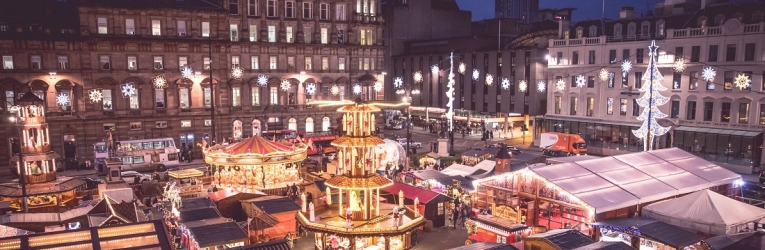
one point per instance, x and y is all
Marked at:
(408, 90)
(212, 93)
(21, 168)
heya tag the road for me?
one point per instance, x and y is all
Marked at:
(462, 144)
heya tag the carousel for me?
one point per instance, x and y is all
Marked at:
(354, 218)
(256, 164)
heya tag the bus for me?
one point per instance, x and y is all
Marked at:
(284, 134)
(139, 155)
(321, 142)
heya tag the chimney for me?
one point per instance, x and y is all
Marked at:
(627, 13)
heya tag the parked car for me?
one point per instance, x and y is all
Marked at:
(128, 175)
(762, 177)
(512, 149)
(412, 143)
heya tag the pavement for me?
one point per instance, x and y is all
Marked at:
(438, 238)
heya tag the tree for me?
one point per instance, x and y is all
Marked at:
(650, 101)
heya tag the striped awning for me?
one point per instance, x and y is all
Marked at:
(257, 145)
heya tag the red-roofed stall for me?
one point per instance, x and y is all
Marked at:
(432, 205)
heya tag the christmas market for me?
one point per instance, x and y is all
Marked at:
(188, 180)
(502, 225)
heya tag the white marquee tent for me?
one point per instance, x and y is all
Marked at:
(465, 170)
(706, 211)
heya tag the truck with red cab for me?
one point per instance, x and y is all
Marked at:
(560, 144)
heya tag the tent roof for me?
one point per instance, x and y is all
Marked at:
(605, 245)
(459, 169)
(740, 241)
(257, 145)
(564, 238)
(218, 234)
(707, 207)
(615, 182)
(411, 192)
(485, 246)
(656, 230)
(272, 204)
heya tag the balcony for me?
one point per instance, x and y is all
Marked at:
(578, 41)
(32, 120)
(669, 34)
(135, 112)
(714, 31)
(41, 149)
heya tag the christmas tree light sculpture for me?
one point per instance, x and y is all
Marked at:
(450, 93)
(650, 101)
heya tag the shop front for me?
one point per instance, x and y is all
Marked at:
(741, 149)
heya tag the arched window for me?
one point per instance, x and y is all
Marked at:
(237, 129)
(309, 125)
(593, 32)
(618, 31)
(292, 125)
(256, 127)
(325, 123)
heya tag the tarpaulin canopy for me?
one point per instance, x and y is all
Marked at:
(706, 211)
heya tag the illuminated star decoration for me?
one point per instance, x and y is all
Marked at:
(679, 65)
(505, 83)
(378, 86)
(541, 86)
(128, 90)
(708, 74)
(335, 90)
(476, 74)
(398, 81)
(237, 73)
(560, 85)
(434, 69)
(95, 95)
(310, 88)
(522, 86)
(580, 81)
(418, 77)
(286, 85)
(159, 82)
(262, 80)
(626, 67)
(742, 81)
(356, 89)
(603, 74)
(461, 68)
(489, 79)
(62, 99)
(187, 72)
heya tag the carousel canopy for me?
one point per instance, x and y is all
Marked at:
(257, 145)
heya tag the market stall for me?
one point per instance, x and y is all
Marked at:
(189, 181)
(502, 225)
(439, 182)
(216, 235)
(474, 156)
(276, 210)
(641, 233)
(429, 160)
(432, 205)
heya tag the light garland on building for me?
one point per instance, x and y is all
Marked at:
(581, 81)
(398, 82)
(505, 83)
(476, 74)
(62, 99)
(417, 77)
(334, 90)
(400, 91)
(95, 95)
(310, 88)
(708, 74)
(286, 85)
(626, 67)
(603, 74)
(434, 69)
(357, 89)
(237, 73)
(650, 100)
(541, 86)
(378, 86)
(489, 79)
(262, 80)
(523, 86)
(679, 65)
(187, 72)
(560, 85)
(450, 93)
(742, 81)
(159, 82)
(128, 90)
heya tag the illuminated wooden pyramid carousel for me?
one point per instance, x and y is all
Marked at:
(358, 220)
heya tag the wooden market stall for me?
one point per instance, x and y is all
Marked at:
(474, 156)
(189, 181)
(431, 205)
(276, 212)
(502, 225)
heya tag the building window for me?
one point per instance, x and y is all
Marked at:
(291, 62)
(590, 106)
(591, 59)
(36, 62)
(307, 10)
(156, 28)
(255, 95)
(635, 108)
(611, 79)
(340, 12)
(572, 106)
(674, 111)
(323, 11)
(730, 53)
(712, 53)
(639, 56)
(234, 61)
(207, 95)
(187, 123)
(558, 104)
(749, 52)
(289, 35)
(690, 111)
(708, 111)
(366, 64)
(105, 62)
(575, 58)
(254, 62)
(272, 63)
(10, 99)
(309, 125)
(106, 99)
(695, 53)
(625, 80)
(181, 28)
(676, 77)
(612, 56)
(102, 27)
(183, 93)
(590, 81)
(743, 113)
(610, 105)
(660, 29)
(325, 63)
(233, 7)
(623, 106)
(341, 63)
(7, 62)
(236, 96)
(135, 103)
(289, 9)
(205, 29)
(274, 96)
(308, 63)
(158, 65)
(159, 98)
(132, 63)
(130, 26)
(271, 34)
(234, 32)
(206, 63)
(728, 80)
(762, 114)
(183, 61)
(679, 52)
(725, 112)
(340, 37)
(324, 36)
(325, 123)
(638, 80)
(271, 8)
(253, 33)
(63, 62)
(307, 38)
(252, 7)
(292, 124)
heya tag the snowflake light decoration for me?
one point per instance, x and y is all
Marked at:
(580, 81)
(523, 86)
(418, 77)
(461, 68)
(400, 91)
(560, 85)
(679, 65)
(742, 81)
(335, 90)
(310, 88)
(708, 74)
(62, 99)
(603, 74)
(286, 85)
(505, 83)
(398, 81)
(187, 72)
(128, 90)
(95, 95)
(541, 86)
(262, 80)
(489, 79)
(434, 69)
(476, 74)
(159, 82)
(626, 67)
(237, 73)
(378, 86)
(356, 89)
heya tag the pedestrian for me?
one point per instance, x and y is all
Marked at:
(290, 240)
(455, 216)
